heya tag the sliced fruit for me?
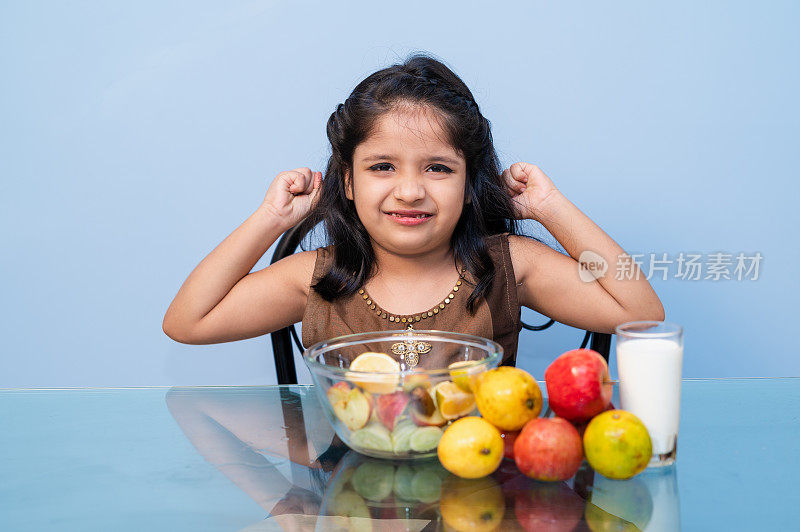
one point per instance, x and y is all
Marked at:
(464, 377)
(416, 380)
(403, 478)
(432, 466)
(338, 391)
(390, 407)
(352, 407)
(425, 439)
(348, 503)
(422, 401)
(373, 480)
(373, 437)
(453, 402)
(423, 410)
(342, 478)
(434, 420)
(401, 436)
(426, 486)
(386, 371)
(373, 417)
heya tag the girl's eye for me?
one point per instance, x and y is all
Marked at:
(380, 167)
(443, 168)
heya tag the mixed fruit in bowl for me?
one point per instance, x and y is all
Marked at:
(384, 403)
(472, 413)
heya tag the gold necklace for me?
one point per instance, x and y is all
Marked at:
(410, 350)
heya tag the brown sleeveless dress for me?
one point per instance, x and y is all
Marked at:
(497, 317)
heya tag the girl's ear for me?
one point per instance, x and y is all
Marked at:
(348, 185)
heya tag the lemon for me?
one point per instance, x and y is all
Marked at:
(617, 445)
(508, 397)
(381, 363)
(472, 505)
(453, 401)
(463, 378)
(471, 447)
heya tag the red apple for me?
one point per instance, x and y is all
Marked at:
(509, 437)
(546, 507)
(578, 385)
(389, 408)
(338, 391)
(548, 449)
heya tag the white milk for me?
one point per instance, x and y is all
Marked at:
(650, 386)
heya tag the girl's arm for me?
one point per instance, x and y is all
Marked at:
(205, 417)
(550, 281)
(221, 301)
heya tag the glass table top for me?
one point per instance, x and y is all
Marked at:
(264, 458)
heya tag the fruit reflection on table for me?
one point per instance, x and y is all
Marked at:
(379, 494)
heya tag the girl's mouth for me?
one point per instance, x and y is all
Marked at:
(409, 218)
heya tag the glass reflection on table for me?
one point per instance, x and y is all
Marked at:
(288, 460)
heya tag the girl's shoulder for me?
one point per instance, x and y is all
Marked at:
(323, 253)
(499, 244)
(323, 256)
(295, 270)
(496, 239)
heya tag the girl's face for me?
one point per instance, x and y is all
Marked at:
(409, 183)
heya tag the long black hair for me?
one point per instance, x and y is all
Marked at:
(422, 81)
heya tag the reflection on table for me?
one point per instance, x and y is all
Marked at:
(288, 460)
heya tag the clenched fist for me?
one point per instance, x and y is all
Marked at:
(292, 195)
(530, 190)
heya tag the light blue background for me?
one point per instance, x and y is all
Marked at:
(135, 136)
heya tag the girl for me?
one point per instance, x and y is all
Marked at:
(422, 227)
(422, 231)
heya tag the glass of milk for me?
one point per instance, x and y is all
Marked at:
(649, 362)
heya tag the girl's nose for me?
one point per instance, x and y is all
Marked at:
(409, 189)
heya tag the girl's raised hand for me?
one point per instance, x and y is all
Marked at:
(530, 190)
(292, 195)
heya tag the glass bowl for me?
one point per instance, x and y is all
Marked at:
(400, 410)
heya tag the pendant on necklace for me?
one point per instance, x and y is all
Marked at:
(410, 349)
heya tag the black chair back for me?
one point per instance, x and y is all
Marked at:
(282, 339)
